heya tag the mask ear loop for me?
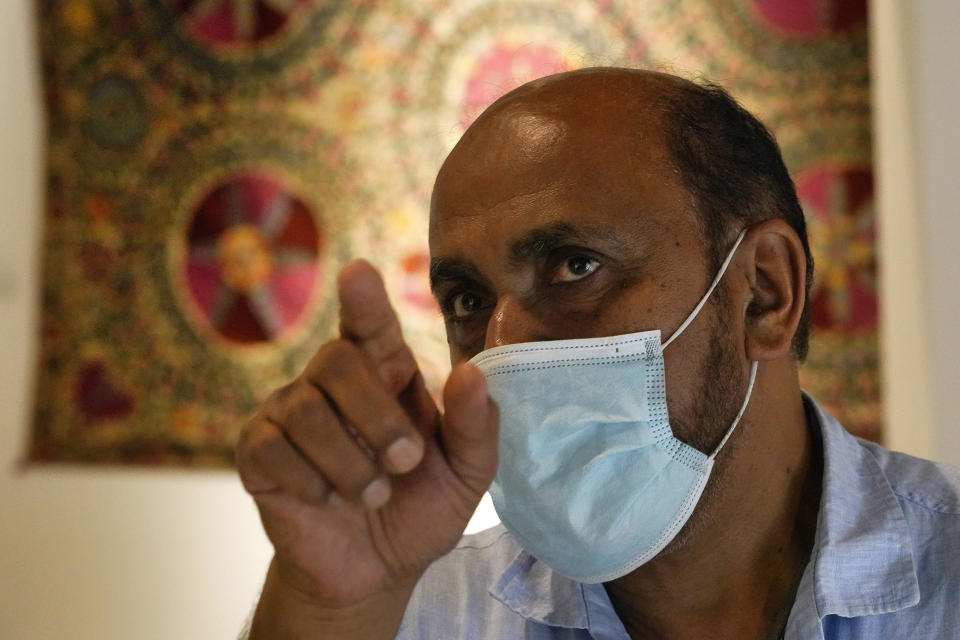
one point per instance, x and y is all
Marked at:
(743, 409)
(693, 315)
(706, 296)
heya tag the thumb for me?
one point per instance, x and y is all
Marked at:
(469, 428)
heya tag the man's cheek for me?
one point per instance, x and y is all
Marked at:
(462, 346)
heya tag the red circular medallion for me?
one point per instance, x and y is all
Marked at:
(811, 18)
(232, 23)
(252, 258)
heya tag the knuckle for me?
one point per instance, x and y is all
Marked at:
(262, 449)
(296, 406)
(334, 359)
(338, 353)
(306, 413)
(254, 453)
(384, 337)
(391, 426)
(245, 443)
(355, 478)
(396, 371)
(394, 421)
(279, 395)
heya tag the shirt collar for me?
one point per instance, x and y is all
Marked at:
(862, 561)
(537, 593)
(861, 564)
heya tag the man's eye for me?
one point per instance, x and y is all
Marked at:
(575, 268)
(465, 305)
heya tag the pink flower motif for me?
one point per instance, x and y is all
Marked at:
(503, 68)
(416, 281)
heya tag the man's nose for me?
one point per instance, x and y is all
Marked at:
(511, 323)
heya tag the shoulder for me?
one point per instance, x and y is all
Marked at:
(452, 598)
(929, 497)
(889, 564)
(491, 540)
(919, 484)
(481, 556)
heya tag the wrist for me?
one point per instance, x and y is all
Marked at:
(288, 613)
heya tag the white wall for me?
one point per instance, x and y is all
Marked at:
(915, 65)
(937, 68)
(104, 554)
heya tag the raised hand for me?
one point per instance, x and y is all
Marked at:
(360, 482)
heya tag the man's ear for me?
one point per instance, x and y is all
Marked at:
(776, 271)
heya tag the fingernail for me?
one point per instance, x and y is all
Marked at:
(403, 455)
(376, 494)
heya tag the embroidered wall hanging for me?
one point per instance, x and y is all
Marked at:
(212, 163)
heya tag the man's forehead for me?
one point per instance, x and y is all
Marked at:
(538, 132)
(585, 125)
(581, 151)
(560, 171)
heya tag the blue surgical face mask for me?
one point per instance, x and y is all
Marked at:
(591, 479)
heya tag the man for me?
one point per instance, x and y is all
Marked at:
(580, 214)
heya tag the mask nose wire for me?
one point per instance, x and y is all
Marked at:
(706, 296)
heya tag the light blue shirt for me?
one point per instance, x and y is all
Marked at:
(885, 565)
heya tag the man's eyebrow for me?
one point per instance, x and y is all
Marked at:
(456, 269)
(538, 243)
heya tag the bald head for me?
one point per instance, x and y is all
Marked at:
(592, 92)
(570, 122)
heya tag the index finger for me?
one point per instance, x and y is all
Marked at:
(369, 321)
